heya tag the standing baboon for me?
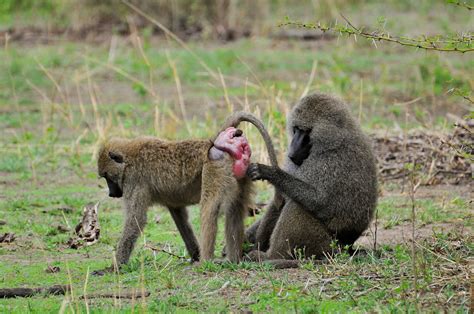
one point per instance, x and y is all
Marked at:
(328, 181)
(147, 171)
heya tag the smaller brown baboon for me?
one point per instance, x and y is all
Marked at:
(146, 171)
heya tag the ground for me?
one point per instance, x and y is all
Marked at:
(60, 98)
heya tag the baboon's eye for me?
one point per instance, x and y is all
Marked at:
(116, 157)
(306, 132)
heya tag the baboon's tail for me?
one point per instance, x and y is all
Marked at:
(239, 116)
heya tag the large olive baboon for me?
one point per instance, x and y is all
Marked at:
(147, 171)
(328, 181)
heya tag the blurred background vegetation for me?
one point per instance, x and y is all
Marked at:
(210, 18)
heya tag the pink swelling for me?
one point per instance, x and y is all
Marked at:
(233, 142)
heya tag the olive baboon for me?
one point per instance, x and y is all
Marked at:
(328, 181)
(147, 171)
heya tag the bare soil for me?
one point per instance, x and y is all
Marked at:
(402, 234)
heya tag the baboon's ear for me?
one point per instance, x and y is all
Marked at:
(117, 157)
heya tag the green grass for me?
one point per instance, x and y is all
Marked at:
(379, 281)
(58, 101)
(34, 110)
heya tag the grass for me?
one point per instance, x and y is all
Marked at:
(378, 281)
(59, 100)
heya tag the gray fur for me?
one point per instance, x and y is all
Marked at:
(331, 196)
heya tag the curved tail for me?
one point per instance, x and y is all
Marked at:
(239, 116)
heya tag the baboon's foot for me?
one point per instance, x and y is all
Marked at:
(255, 256)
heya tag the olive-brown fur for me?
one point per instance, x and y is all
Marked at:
(155, 172)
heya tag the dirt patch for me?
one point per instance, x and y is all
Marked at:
(438, 158)
(439, 192)
(402, 234)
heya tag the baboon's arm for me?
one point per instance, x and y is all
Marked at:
(312, 198)
(265, 228)
(135, 221)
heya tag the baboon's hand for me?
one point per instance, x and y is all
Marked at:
(257, 172)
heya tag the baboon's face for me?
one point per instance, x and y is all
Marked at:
(111, 167)
(300, 145)
(308, 120)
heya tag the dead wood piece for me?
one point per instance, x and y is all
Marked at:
(87, 232)
(6, 293)
(7, 237)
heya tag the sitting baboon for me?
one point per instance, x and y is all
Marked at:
(147, 171)
(329, 184)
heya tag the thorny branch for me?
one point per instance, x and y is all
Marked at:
(463, 4)
(456, 43)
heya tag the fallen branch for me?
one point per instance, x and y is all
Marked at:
(6, 293)
(155, 249)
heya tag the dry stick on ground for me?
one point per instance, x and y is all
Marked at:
(155, 249)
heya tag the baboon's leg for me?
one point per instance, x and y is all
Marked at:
(218, 185)
(135, 221)
(297, 230)
(234, 230)
(265, 229)
(251, 232)
(209, 215)
(180, 217)
(260, 232)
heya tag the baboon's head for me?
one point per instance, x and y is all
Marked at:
(111, 165)
(312, 121)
